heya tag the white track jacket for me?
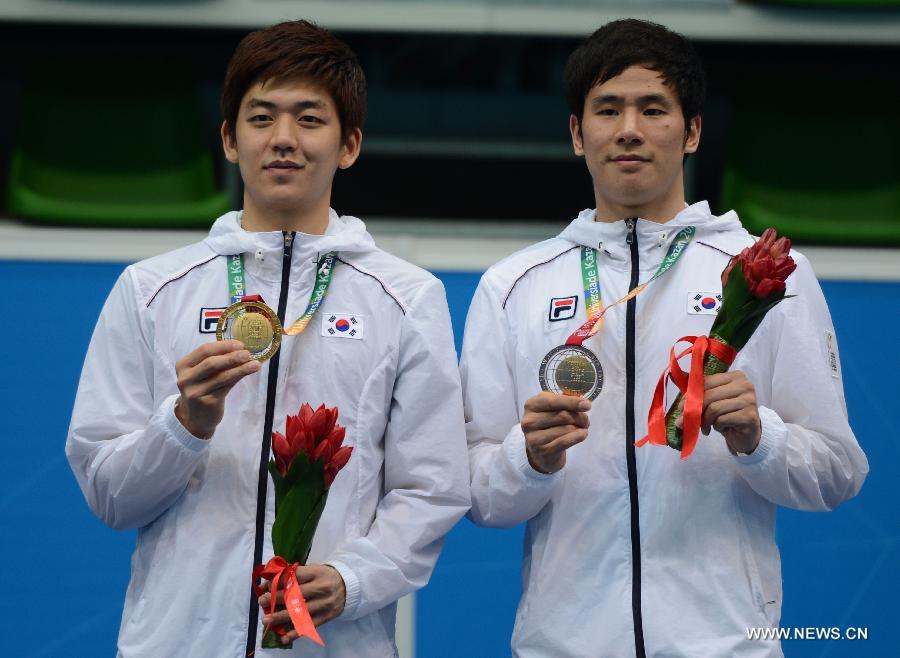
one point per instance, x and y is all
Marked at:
(204, 509)
(632, 551)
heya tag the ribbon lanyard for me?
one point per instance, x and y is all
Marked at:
(594, 303)
(324, 271)
(236, 277)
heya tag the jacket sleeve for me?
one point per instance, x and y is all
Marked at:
(426, 477)
(506, 490)
(132, 457)
(808, 457)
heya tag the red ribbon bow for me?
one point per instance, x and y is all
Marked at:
(273, 570)
(691, 385)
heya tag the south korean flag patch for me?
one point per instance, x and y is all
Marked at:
(342, 325)
(704, 303)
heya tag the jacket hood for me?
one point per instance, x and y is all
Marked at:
(724, 232)
(343, 234)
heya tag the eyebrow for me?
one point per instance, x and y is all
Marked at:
(300, 106)
(647, 99)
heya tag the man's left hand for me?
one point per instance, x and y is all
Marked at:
(324, 591)
(729, 407)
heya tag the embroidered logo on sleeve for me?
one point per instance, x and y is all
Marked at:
(562, 308)
(209, 318)
(342, 325)
(834, 364)
(704, 303)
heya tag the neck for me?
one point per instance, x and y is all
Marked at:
(258, 218)
(659, 210)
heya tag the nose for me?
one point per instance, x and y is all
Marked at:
(284, 136)
(629, 129)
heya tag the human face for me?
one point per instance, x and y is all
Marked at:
(287, 143)
(633, 138)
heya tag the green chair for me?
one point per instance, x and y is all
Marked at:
(819, 160)
(112, 144)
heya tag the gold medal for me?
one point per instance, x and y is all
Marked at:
(571, 370)
(253, 330)
(255, 325)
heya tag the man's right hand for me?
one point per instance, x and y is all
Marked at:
(204, 378)
(552, 424)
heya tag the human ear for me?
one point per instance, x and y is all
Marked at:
(692, 135)
(350, 148)
(577, 138)
(229, 143)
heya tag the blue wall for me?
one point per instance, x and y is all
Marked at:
(63, 573)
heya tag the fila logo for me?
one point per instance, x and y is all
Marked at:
(562, 308)
(209, 318)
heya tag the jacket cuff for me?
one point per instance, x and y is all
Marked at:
(351, 587)
(514, 447)
(176, 429)
(772, 435)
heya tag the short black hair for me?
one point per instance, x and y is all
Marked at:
(297, 50)
(631, 42)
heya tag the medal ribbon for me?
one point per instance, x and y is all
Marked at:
(593, 302)
(692, 385)
(324, 272)
(592, 299)
(236, 282)
(274, 570)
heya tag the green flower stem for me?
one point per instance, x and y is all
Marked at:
(271, 640)
(712, 365)
(300, 497)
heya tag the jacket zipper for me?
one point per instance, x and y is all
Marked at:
(630, 438)
(265, 449)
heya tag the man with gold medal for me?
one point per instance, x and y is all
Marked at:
(638, 553)
(199, 354)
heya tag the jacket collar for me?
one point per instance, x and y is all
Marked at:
(721, 232)
(263, 251)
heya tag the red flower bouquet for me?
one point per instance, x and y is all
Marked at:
(753, 282)
(307, 458)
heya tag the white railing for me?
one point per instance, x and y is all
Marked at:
(446, 245)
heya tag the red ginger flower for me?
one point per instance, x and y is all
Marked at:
(746, 299)
(338, 461)
(315, 434)
(766, 264)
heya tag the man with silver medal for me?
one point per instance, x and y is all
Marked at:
(638, 553)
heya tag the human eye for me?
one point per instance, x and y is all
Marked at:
(607, 112)
(259, 118)
(654, 112)
(310, 119)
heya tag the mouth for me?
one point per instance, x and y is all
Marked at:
(282, 165)
(629, 159)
